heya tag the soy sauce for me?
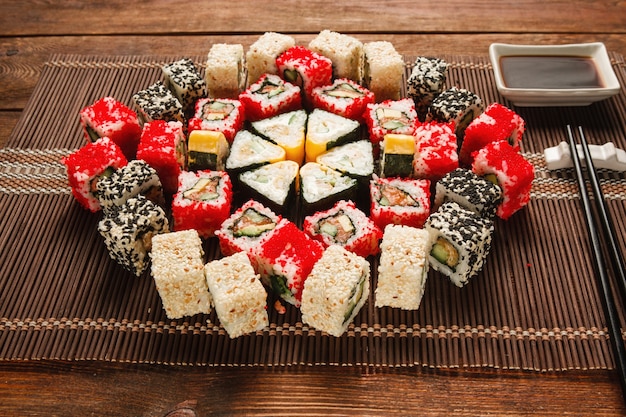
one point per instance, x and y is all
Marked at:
(553, 72)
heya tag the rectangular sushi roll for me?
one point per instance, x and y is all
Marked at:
(502, 164)
(249, 151)
(326, 130)
(156, 102)
(390, 116)
(285, 259)
(220, 115)
(435, 150)
(262, 54)
(306, 69)
(456, 105)
(137, 177)
(403, 267)
(461, 241)
(163, 146)
(470, 191)
(343, 97)
(399, 201)
(239, 297)
(224, 74)
(335, 291)
(286, 130)
(321, 187)
(87, 165)
(128, 230)
(426, 81)
(270, 96)
(178, 272)
(383, 70)
(184, 80)
(207, 149)
(397, 153)
(203, 201)
(345, 52)
(113, 119)
(347, 226)
(273, 184)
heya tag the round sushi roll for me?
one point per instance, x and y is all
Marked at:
(390, 116)
(399, 201)
(343, 97)
(221, 115)
(347, 226)
(270, 96)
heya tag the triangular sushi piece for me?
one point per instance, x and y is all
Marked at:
(273, 185)
(287, 131)
(249, 151)
(321, 187)
(326, 130)
(355, 159)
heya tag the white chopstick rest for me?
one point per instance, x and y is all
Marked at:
(605, 156)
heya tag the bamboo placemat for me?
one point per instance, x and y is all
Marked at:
(535, 306)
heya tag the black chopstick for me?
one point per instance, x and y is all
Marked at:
(610, 308)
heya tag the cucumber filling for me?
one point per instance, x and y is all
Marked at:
(391, 119)
(270, 89)
(293, 76)
(217, 110)
(252, 224)
(393, 196)
(339, 227)
(344, 90)
(355, 298)
(445, 253)
(205, 189)
(278, 283)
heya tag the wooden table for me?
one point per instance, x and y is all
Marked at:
(33, 30)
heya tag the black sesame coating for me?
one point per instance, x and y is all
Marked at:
(427, 78)
(470, 191)
(137, 177)
(453, 104)
(158, 103)
(184, 80)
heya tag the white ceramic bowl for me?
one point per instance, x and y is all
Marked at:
(533, 97)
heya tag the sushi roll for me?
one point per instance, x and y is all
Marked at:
(184, 80)
(344, 225)
(470, 191)
(435, 150)
(261, 57)
(239, 297)
(207, 149)
(383, 70)
(128, 230)
(285, 259)
(399, 201)
(246, 227)
(456, 105)
(390, 116)
(178, 272)
(274, 185)
(397, 152)
(355, 159)
(203, 201)
(343, 97)
(335, 291)
(156, 102)
(306, 69)
(326, 130)
(225, 75)
(426, 81)
(461, 241)
(403, 267)
(249, 151)
(219, 115)
(137, 177)
(502, 164)
(286, 130)
(108, 117)
(345, 52)
(87, 165)
(496, 123)
(270, 96)
(321, 187)
(163, 146)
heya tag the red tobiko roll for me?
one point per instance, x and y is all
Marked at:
(504, 165)
(219, 115)
(399, 201)
(435, 150)
(270, 96)
(306, 69)
(343, 97)
(390, 116)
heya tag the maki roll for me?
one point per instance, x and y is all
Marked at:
(399, 201)
(183, 79)
(397, 156)
(207, 149)
(178, 273)
(239, 297)
(390, 116)
(284, 260)
(270, 96)
(343, 97)
(219, 115)
(261, 57)
(249, 151)
(224, 74)
(344, 225)
(470, 191)
(500, 163)
(163, 146)
(306, 69)
(137, 177)
(321, 187)
(108, 117)
(287, 131)
(128, 230)
(156, 102)
(87, 165)
(435, 150)
(383, 69)
(456, 105)
(326, 130)
(355, 159)
(202, 202)
(335, 291)
(427, 81)
(273, 185)
(496, 123)
(461, 241)
(345, 52)
(403, 267)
